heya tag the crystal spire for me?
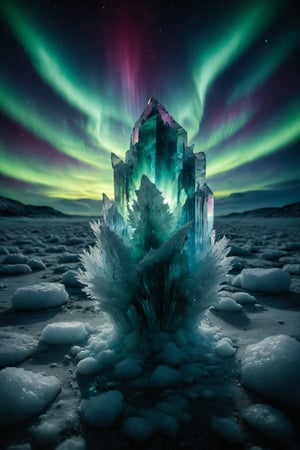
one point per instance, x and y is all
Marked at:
(159, 151)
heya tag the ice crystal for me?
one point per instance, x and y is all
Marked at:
(156, 265)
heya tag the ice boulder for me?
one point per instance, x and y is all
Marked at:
(36, 264)
(16, 269)
(24, 394)
(269, 281)
(17, 258)
(39, 296)
(88, 366)
(224, 348)
(68, 258)
(64, 333)
(293, 269)
(227, 428)
(164, 376)
(269, 422)
(152, 421)
(272, 367)
(69, 278)
(227, 304)
(47, 432)
(102, 410)
(129, 368)
(243, 298)
(15, 347)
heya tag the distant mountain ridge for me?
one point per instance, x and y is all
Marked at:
(292, 210)
(14, 208)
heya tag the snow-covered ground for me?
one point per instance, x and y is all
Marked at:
(244, 395)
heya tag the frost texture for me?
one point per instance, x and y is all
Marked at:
(160, 291)
(155, 265)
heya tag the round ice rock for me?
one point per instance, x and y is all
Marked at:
(17, 258)
(272, 367)
(24, 394)
(36, 264)
(270, 422)
(102, 410)
(68, 258)
(244, 298)
(227, 304)
(139, 428)
(69, 278)
(64, 333)
(129, 368)
(39, 296)
(88, 366)
(294, 269)
(269, 281)
(15, 347)
(47, 432)
(15, 269)
(153, 421)
(224, 348)
(164, 376)
(227, 428)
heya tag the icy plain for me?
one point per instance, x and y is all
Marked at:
(47, 335)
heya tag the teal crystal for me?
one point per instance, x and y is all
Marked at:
(159, 151)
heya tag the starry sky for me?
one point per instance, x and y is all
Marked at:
(75, 76)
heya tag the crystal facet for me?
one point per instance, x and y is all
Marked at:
(159, 151)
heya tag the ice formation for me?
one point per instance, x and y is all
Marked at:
(155, 265)
(154, 269)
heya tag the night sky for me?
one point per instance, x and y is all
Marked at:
(75, 76)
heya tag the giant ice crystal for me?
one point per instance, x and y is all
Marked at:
(155, 265)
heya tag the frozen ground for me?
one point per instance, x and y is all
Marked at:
(219, 412)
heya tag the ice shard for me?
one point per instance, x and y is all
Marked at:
(159, 151)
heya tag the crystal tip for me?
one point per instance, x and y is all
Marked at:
(153, 100)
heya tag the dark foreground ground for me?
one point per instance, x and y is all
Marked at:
(253, 239)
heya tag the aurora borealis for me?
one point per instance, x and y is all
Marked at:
(75, 76)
